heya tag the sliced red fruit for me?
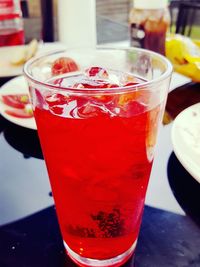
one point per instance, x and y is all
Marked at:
(19, 113)
(94, 71)
(64, 65)
(16, 100)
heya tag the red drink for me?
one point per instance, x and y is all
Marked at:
(98, 131)
(102, 168)
(10, 37)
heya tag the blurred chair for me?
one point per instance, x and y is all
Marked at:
(47, 20)
(38, 20)
(173, 8)
(187, 15)
(24, 8)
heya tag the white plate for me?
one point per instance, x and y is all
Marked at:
(6, 53)
(186, 139)
(6, 68)
(17, 85)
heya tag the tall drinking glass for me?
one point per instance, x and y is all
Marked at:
(98, 128)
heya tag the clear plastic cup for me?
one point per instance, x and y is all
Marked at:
(98, 144)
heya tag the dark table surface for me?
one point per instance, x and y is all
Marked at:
(29, 233)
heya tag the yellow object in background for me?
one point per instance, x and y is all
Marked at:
(184, 54)
(24, 53)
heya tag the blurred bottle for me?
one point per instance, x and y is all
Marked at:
(149, 21)
(11, 23)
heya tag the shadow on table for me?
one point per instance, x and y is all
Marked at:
(24, 140)
(166, 240)
(185, 188)
(3, 123)
(182, 98)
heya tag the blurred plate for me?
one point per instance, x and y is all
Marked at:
(186, 139)
(7, 69)
(17, 85)
(178, 80)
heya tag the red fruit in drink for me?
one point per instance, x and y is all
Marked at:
(64, 65)
(57, 102)
(94, 71)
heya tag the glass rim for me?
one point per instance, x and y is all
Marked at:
(143, 85)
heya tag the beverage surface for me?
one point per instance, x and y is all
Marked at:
(104, 103)
(98, 150)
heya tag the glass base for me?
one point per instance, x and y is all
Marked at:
(112, 262)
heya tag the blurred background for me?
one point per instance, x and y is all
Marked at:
(114, 11)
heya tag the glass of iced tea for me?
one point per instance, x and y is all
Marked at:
(98, 114)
